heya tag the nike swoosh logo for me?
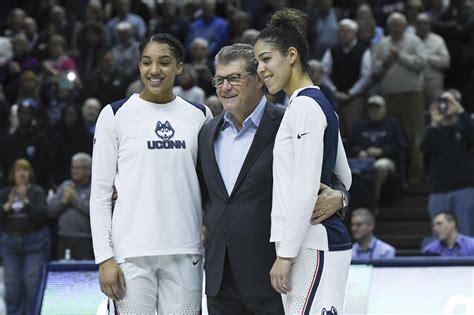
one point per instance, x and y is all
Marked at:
(302, 134)
(195, 262)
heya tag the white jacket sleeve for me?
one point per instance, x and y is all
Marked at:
(307, 123)
(104, 169)
(342, 169)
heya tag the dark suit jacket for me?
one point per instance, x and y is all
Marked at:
(241, 220)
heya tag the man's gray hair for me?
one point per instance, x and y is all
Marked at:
(84, 158)
(235, 52)
(200, 40)
(350, 24)
(395, 16)
(366, 214)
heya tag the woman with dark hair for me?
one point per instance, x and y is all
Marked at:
(90, 41)
(72, 137)
(149, 248)
(312, 260)
(25, 239)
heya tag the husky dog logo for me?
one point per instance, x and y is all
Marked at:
(164, 130)
(333, 311)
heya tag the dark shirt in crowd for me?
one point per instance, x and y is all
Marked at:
(386, 134)
(448, 150)
(28, 217)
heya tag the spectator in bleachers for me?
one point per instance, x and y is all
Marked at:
(209, 26)
(22, 53)
(15, 22)
(204, 75)
(134, 87)
(126, 53)
(70, 204)
(384, 8)
(94, 13)
(316, 73)
(200, 54)
(437, 59)
(28, 142)
(142, 9)
(187, 87)
(72, 137)
(167, 20)
(366, 245)
(9, 69)
(62, 26)
(40, 11)
(370, 34)
(249, 36)
(379, 138)
(449, 242)
(58, 59)
(324, 26)
(398, 62)
(30, 28)
(239, 22)
(28, 89)
(22, 61)
(122, 10)
(42, 47)
(25, 238)
(91, 40)
(456, 26)
(214, 105)
(105, 84)
(413, 8)
(348, 68)
(436, 8)
(90, 112)
(60, 85)
(447, 146)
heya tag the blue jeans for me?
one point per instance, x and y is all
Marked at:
(460, 202)
(23, 260)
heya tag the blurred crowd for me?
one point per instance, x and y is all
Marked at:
(400, 74)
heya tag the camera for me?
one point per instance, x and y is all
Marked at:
(442, 106)
(66, 80)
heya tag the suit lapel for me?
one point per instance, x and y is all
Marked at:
(265, 131)
(212, 160)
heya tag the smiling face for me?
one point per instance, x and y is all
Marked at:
(241, 98)
(273, 67)
(158, 69)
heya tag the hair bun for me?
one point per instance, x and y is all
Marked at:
(290, 19)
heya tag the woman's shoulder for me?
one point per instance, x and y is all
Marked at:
(37, 189)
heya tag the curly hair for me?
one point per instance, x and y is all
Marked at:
(288, 28)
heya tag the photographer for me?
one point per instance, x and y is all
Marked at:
(447, 147)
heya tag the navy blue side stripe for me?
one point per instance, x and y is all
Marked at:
(117, 104)
(199, 106)
(320, 267)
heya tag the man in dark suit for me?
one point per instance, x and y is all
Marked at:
(235, 166)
